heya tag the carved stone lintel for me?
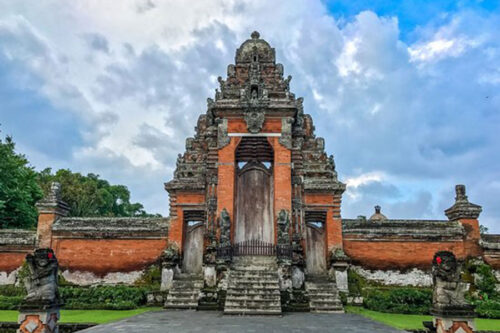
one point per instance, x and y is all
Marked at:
(222, 137)
(286, 132)
(255, 120)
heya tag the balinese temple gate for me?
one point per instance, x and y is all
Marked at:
(255, 200)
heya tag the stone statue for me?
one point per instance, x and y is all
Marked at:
(225, 228)
(449, 292)
(170, 256)
(283, 227)
(41, 284)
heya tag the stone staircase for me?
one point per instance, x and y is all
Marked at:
(184, 293)
(253, 287)
(323, 295)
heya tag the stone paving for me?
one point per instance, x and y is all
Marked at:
(207, 322)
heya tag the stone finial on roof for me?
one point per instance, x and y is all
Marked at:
(52, 202)
(255, 35)
(462, 209)
(378, 216)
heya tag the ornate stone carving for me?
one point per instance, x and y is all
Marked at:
(286, 132)
(170, 257)
(225, 228)
(255, 120)
(462, 209)
(448, 297)
(283, 227)
(41, 284)
(222, 137)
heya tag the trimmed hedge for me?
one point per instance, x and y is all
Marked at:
(488, 309)
(80, 298)
(399, 300)
(104, 297)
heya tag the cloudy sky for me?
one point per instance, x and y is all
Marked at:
(406, 94)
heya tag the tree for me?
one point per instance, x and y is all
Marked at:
(19, 190)
(91, 196)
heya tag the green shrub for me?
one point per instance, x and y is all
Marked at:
(104, 297)
(11, 290)
(486, 281)
(150, 278)
(399, 300)
(488, 309)
(10, 302)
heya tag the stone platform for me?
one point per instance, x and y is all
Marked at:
(180, 321)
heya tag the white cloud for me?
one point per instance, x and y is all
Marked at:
(138, 73)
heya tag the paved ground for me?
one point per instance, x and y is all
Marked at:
(208, 322)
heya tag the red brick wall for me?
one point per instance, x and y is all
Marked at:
(10, 261)
(398, 254)
(102, 256)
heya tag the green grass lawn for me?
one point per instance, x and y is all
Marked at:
(84, 316)
(404, 321)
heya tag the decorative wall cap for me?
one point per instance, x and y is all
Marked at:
(490, 242)
(52, 202)
(17, 237)
(415, 229)
(462, 209)
(112, 225)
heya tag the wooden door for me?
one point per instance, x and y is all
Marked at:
(193, 248)
(315, 248)
(254, 218)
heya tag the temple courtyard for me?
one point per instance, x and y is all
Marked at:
(209, 321)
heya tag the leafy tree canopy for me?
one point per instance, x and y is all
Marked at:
(19, 190)
(21, 187)
(91, 196)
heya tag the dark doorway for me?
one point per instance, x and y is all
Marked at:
(254, 191)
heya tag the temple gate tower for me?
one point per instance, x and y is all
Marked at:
(255, 180)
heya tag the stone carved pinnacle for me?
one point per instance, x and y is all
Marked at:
(462, 209)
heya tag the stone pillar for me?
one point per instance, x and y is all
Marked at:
(339, 264)
(169, 264)
(466, 214)
(49, 209)
(454, 324)
(39, 311)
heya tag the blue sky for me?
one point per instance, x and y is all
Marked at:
(405, 93)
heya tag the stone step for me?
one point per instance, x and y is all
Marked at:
(246, 286)
(252, 292)
(264, 275)
(246, 311)
(253, 304)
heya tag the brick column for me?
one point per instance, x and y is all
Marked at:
(466, 214)
(282, 180)
(49, 209)
(226, 177)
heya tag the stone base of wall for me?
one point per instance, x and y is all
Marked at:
(89, 278)
(414, 277)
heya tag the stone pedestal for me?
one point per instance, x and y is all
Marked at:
(39, 321)
(340, 269)
(454, 324)
(210, 276)
(167, 278)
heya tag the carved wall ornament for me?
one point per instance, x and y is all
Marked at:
(225, 228)
(286, 132)
(222, 138)
(283, 227)
(255, 120)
